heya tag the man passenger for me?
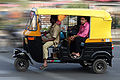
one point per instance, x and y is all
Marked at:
(81, 36)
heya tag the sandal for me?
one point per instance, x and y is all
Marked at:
(43, 67)
(73, 56)
(77, 57)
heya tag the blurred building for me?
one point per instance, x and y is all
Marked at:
(14, 13)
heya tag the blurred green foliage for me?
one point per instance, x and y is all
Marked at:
(116, 21)
(9, 0)
(76, 5)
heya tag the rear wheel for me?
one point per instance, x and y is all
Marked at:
(99, 66)
(21, 64)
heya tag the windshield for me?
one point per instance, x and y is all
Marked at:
(32, 24)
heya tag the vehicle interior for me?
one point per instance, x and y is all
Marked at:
(69, 26)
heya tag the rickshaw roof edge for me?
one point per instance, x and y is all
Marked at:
(73, 11)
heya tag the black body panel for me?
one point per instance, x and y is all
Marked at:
(34, 47)
(90, 51)
(91, 48)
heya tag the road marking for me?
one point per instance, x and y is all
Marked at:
(34, 69)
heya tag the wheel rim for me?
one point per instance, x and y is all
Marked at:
(100, 67)
(22, 64)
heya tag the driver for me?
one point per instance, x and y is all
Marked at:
(54, 33)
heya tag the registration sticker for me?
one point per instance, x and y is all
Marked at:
(107, 40)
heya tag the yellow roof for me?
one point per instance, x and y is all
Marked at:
(78, 12)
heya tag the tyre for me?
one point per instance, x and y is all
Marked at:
(99, 66)
(21, 64)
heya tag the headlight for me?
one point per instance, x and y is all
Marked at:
(21, 53)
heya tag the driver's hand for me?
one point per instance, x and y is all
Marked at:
(44, 40)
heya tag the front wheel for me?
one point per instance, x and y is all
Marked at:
(99, 66)
(21, 64)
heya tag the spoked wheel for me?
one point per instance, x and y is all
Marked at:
(21, 64)
(99, 66)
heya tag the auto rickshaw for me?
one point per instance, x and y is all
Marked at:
(96, 50)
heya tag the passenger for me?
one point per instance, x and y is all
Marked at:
(72, 31)
(55, 37)
(81, 36)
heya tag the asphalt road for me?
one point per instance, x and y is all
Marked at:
(57, 71)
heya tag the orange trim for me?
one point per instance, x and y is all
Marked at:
(97, 40)
(112, 46)
(31, 38)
